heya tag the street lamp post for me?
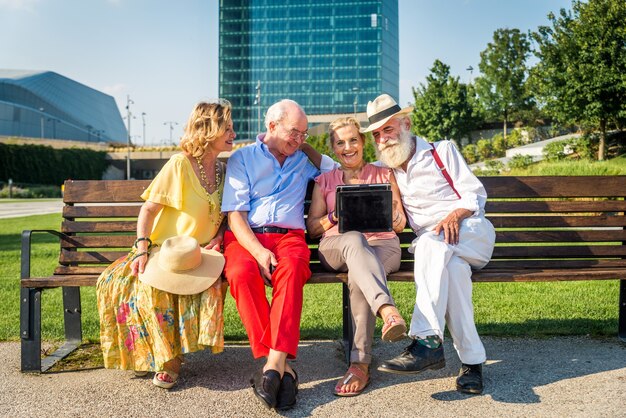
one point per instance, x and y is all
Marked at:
(143, 119)
(470, 69)
(128, 116)
(171, 124)
(257, 101)
(356, 99)
(41, 109)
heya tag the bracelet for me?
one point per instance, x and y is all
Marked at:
(139, 254)
(150, 245)
(330, 218)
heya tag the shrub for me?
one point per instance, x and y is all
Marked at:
(470, 153)
(499, 145)
(520, 161)
(483, 148)
(585, 146)
(38, 164)
(25, 191)
(555, 151)
(514, 139)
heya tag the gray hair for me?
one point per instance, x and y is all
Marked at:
(277, 111)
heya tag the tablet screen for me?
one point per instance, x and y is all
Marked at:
(364, 207)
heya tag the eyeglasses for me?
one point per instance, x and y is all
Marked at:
(296, 134)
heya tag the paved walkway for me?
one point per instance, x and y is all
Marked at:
(556, 377)
(27, 207)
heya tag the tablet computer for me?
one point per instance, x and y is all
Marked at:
(364, 207)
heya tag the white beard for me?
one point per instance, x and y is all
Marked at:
(394, 156)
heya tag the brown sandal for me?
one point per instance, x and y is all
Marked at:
(394, 328)
(353, 372)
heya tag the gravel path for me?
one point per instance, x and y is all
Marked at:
(556, 377)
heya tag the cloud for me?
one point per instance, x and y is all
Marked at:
(25, 5)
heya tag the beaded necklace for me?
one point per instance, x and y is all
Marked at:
(215, 186)
(205, 179)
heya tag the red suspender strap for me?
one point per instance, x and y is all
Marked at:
(443, 170)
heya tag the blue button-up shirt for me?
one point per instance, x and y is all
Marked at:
(272, 195)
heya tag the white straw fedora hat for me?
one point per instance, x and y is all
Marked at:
(182, 267)
(381, 109)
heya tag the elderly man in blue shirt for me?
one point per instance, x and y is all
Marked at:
(264, 197)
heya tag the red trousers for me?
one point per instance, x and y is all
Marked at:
(277, 325)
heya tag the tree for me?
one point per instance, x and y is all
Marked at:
(581, 76)
(443, 107)
(502, 86)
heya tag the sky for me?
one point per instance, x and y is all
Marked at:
(164, 54)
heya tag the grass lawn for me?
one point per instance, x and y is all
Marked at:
(507, 309)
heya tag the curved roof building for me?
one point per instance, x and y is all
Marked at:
(44, 104)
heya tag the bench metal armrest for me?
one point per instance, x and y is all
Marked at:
(26, 248)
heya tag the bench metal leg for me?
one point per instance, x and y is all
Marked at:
(72, 314)
(621, 325)
(30, 329)
(73, 327)
(348, 332)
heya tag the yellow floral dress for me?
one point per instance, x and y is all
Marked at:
(142, 328)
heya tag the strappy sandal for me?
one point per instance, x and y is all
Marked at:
(162, 383)
(141, 373)
(353, 371)
(394, 328)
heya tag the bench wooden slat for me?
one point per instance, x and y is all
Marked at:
(574, 251)
(69, 227)
(58, 281)
(101, 211)
(530, 275)
(408, 266)
(540, 186)
(90, 257)
(99, 241)
(606, 235)
(79, 270)
(98, 191)
(587, 235)
(558, 251)
(522, 264)
(529, 206)
(546, 221)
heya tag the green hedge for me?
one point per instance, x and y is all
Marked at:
(38, 164)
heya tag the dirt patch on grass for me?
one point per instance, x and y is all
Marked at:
(86, 356)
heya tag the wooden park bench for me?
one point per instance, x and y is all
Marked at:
(548, 229)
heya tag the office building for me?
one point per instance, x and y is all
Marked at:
(329, 56)
(47, 105)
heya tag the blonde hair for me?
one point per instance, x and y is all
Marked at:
(340, 123)
(206, 122)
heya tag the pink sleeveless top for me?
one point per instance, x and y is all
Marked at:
(370, 174)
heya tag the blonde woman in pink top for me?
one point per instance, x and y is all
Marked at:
(367, 257)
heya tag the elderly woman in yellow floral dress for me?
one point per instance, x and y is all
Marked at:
(146, 329)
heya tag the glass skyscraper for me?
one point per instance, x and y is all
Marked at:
(330, 56)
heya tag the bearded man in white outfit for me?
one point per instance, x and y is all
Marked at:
(444, 203)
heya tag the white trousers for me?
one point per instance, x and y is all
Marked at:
(443, 281)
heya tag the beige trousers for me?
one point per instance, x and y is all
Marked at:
(367, 264)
